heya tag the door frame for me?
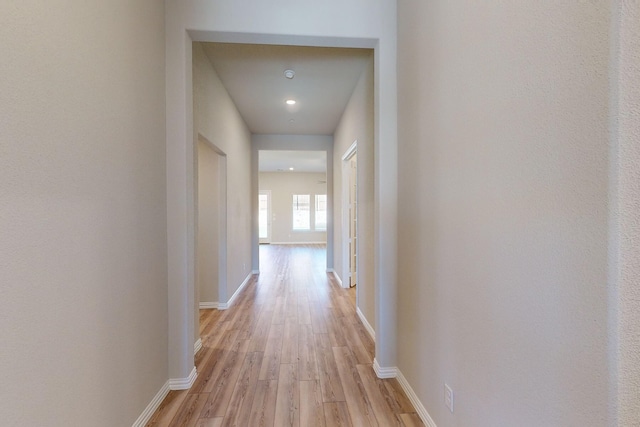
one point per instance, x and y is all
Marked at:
(346, 173)
(222, 222)
(269, 217)
(182, 19)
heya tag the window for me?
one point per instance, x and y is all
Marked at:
(301, 212)
(321, 212)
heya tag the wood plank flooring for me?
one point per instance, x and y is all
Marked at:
(290, 352)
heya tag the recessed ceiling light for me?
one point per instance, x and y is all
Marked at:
(289, 74)
(290, 102)
(290, 169)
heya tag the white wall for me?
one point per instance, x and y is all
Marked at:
(357, 123)
(625, 212)
(283, 185)
(217, 119)
(83, 293)
(352, 24)
(503, 131)
(210, 203)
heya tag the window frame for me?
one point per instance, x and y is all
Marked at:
(295, 208)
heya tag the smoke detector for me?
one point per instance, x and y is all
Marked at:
(289, 74)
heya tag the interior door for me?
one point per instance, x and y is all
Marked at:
(353, 221)
(264, 216)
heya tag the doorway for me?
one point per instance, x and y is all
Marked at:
(211, 220)
(350, 215)
(180, 167)
(292, 196)
(264, 216)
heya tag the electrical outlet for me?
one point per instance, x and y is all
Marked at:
(448, 397)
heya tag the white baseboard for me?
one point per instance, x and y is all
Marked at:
(366, 324)
(197, 346)
(335, 275)
(419, 407)
(183, 383)
(208, 305)
(151, 408)
(384, 372)
(226, 305)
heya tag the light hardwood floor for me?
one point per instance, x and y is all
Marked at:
(290, 352)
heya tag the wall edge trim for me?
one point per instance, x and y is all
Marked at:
(417, 404)
(183, 383)
(336, 276)
(151, 408)
(226, 305)
(205, 305)
(366, 324)
(384, 372)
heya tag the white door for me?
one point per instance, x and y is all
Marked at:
(264, 216)
(353, 221)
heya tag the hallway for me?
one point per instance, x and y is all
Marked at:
(290, 352)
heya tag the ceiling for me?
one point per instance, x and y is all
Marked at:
(300, 161)
(323, 83)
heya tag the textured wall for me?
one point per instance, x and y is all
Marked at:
(357, 123)
(626, 209)
(503, 213)
(83, 293)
